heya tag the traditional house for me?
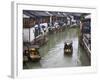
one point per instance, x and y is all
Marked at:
(35, 23)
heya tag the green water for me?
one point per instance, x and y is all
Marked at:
(52, 53)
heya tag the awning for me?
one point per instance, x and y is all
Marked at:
(28, 13)
(37, 13)
(57, 14)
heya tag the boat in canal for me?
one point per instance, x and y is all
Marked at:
(32, 53)
(68, 48)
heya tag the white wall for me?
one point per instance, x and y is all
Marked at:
(26, 34)
(68, 22)
(32, 35)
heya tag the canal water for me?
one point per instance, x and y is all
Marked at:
(52, 53)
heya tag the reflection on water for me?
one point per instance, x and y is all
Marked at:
(53, 55)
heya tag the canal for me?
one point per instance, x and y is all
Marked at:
(52, 53)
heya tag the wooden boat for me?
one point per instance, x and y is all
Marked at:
(34, 54)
